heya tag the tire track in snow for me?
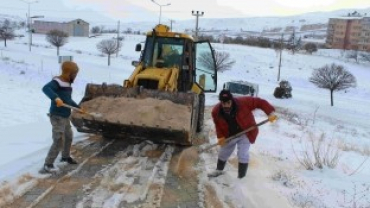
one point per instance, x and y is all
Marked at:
(158, 178)
(135, 180)
(115, 175)
(65, 177)
(43, 186)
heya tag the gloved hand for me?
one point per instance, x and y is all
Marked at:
(83, 110)
(59, 102)
(221, 141)
(272, 117)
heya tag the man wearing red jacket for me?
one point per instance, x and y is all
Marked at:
(231, 116)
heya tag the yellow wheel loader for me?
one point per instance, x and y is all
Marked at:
(163, 99)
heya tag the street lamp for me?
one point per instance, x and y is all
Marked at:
(30, 28)
(160, 9)
(29, 20)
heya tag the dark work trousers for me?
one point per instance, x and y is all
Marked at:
(62, 137)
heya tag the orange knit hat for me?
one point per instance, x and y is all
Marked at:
(68, 68)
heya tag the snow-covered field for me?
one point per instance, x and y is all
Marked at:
(306, 119)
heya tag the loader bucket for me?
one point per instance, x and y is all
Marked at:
(159, 116)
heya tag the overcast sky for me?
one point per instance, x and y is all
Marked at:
(144, 10)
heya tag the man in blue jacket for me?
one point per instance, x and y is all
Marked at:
(59, 90)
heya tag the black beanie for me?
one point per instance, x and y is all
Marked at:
(225, 95)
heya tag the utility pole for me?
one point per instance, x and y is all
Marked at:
(197, 14)
(31, 29)
(293, 42)
(171, 21)
(281, 51)
(29, 22)
(118, 28)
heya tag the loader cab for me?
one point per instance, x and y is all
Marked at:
(194, 60)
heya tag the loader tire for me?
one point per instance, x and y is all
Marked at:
(200, 122)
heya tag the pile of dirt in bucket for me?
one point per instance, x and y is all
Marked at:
(142, 112)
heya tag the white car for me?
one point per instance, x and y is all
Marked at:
(242, 88)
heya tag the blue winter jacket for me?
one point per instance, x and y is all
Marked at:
(57, 88)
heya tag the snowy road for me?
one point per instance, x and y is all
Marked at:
(114, 173)
(124, 173)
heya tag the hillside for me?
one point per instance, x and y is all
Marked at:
(257, 24)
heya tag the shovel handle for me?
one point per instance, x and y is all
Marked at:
(73, 108)
(81, 111)
(227, 140)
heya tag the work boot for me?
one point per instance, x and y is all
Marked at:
(242, 170)
(47, 168)
(68, 160)
(219, 171)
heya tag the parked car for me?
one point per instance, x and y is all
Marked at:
(241, 88)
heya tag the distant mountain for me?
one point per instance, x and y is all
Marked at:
(234, 26)
(257, 24)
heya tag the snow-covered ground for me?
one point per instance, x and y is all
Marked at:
(305, 120)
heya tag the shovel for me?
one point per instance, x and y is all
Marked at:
(96, 115)
(227, 140)
(192, 153)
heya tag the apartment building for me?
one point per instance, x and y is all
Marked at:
(364, 40)
(349, 33)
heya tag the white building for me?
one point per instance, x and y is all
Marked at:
(76, 27)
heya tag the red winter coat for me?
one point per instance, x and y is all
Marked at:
(244, 116)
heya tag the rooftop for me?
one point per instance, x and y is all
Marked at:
(59, 20)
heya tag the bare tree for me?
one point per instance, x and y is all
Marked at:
(102, 28)
(333, 78)
(353, 55)
(222, 60)
(22, 24)
(95, 30)
(109, 47)
(6, 31)
(365, 56)
(310, 47)
(57, 38)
